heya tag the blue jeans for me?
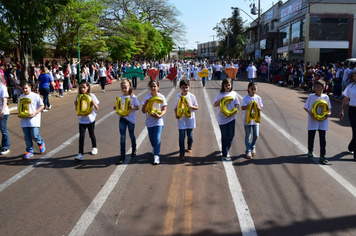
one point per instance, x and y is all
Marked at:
(154, 133)
(134, 81)
(203, 81)
(123, 123)
(251, 79)
(227, 135)
(264, 76)
(92, 78)
(45, 92)
(160, 75)
(182, 137)
(5, 142)
(251, 145)
(32, 133)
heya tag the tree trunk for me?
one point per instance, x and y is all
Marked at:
(23, 56)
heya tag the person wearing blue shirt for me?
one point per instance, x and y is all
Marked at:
(45, 81)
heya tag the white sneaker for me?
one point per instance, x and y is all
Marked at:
(79, 157)
(50, 107)
(94, 151)
(103, 91)
(44, 110)
(156, 160)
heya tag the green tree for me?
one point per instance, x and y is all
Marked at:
(133, 38)
(24, 19)
(78, 19)
(128, 39)
(232, 39)
(160, 13)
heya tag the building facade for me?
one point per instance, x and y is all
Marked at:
(208, 50)
(306, 30)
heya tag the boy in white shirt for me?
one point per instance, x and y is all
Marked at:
(185, 124)
(30, 126)
(314, 124)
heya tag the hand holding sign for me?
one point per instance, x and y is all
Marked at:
(153, 73)
(203, 73)
(231, 72)
(131, 71)
(172, 73)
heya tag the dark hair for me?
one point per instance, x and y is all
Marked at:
(320, 82)
(225, 81)
(184, 82)
(124, 81)
(24, 83)
(153, 81)
(84, 82)
(250, 85)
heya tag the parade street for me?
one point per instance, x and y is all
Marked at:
(280, 191)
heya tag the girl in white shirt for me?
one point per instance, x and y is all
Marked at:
(246, 100)
(226, 123)
(129, 120)
(87, 122)
(155, 122)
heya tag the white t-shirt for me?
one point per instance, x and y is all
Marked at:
(91, 117)
(246, 100)
(312, 123)
(144, 66)
(347, 72)
(185, 122)
(218, 67)
(222, 119)
(74, 69)
(36, 102)
(150, 120)
(251, 71)
(102, 72)
(4, 94)
(350, 92)
(131, 117)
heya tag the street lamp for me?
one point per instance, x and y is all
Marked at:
(239, 9)
(253, 11)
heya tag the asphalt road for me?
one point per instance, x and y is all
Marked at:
(279, 192)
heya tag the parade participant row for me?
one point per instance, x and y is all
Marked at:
(154, 106)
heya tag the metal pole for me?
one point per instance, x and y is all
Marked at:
(79, 78)
(228, 38)
(259, 26)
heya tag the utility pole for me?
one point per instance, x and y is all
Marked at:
(214, 46)
(197, 42)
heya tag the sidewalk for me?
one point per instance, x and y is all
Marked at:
(13, 106)
(242, 77)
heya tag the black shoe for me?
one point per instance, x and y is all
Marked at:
(133, 154)
(122, 159)
(181, 157)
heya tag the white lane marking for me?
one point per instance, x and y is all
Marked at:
(241, 207)
(341, 180)
(90, 213)
(28, 169)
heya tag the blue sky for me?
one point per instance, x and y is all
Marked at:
(201, 16)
